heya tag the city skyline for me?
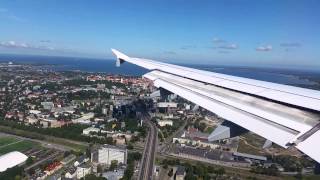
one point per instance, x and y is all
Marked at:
(268, 33)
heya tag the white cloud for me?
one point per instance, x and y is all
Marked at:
(218, 40)
(14, 44)
(229, 46)
(264, 48)
(223, 44)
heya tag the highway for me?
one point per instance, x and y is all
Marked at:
(147, 162)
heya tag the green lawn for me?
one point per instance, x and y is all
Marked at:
(18, 146)
(48, 138)
(7, 140)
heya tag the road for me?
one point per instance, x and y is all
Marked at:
(147, 162)
(168, 141)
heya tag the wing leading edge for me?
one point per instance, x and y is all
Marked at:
(255, 105)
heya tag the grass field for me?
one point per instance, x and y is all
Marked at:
(7, 140)
(8, 144)
(34, 135)
(244, 148)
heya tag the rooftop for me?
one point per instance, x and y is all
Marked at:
(250, 156)
(11, 159)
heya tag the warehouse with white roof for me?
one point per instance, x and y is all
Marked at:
(11, 159)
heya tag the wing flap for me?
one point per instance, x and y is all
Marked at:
(252, 123)
(310, 146)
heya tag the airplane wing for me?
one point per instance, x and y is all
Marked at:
(286, 115)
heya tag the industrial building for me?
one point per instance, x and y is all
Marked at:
(11, 159)
(107, 153)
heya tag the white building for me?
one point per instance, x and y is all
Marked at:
(34, 112)
(11, 159)
(83, 170)
(31, 119)
(104, 111)
(195, 138)
(47, 105)
(88, 130)
(81, 160)
(60, 110)
(187, 106)
(101, 86)
(107, 154)
(70, 175)
(165, 122)
(185, 141)
(85, 119)
(167, 105)
(52, 122)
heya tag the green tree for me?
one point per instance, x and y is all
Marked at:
(29, 161)
(220, 171)
(99, 169)
(92, 177)
(114, 165)
(12, 173)
(202, 127)
(17, 177)
(130, 146)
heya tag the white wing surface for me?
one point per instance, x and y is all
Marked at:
(286, 115)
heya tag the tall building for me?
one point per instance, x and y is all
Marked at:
(83, 170)
(107, 153)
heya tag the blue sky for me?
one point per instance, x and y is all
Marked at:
(230, 32)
